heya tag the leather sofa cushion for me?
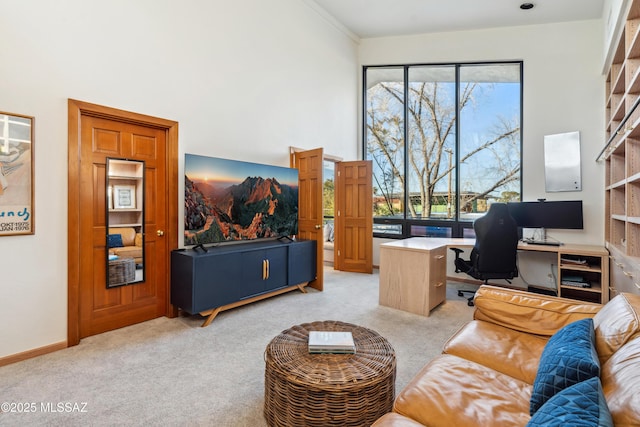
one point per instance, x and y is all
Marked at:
(128, 252)
(395, 420)
(128, 235)
(511, 352)
(532, 313)
(620, 378)
(451, 391)
(616, 324)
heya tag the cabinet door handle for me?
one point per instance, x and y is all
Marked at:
(439, 284)
(439, 256)
(267, 268)
(264, 269)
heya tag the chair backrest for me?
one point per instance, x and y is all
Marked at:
(496, 245)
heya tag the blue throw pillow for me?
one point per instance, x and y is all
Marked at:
(582, 404)
(114, 241)
(568, 358)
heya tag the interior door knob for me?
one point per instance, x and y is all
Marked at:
(160, 233)
(318, 226)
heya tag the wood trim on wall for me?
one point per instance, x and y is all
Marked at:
(19, 357)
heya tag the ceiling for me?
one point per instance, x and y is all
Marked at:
(383, 18)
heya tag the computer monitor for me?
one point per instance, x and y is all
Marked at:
(564, 214)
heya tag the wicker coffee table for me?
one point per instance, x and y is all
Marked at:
(303, 389)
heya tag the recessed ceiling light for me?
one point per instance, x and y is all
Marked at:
(526, 6)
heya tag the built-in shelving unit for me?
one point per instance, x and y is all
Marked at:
(582, 275)
(125, 177)
(621, 155)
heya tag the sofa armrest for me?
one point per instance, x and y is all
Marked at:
(529, 312)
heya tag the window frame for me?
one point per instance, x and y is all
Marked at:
(456, 225)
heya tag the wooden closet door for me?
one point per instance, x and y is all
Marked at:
(94, 308)
(309, 164)
(354, 217)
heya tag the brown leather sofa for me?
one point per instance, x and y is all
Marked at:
(131, 243)
(486, 373)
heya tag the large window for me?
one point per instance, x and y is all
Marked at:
(445, 142)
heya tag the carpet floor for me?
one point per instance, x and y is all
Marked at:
(172, 372)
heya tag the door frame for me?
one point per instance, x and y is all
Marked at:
(78, 109)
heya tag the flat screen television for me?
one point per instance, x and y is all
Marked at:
(229, 200)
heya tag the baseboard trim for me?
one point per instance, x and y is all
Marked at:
(29, 354)
(464, 280)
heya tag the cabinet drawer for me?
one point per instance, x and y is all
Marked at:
(437, 277)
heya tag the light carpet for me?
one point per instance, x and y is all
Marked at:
(172, 372)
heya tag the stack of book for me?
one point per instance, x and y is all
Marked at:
(331, 342)
(572, 261)
(577, 281)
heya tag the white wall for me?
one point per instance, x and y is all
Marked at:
(245, 80)
(563, 92)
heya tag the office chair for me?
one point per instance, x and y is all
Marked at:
(494, 255)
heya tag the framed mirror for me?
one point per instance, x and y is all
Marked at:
(125, 222)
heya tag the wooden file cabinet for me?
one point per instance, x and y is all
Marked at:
(413, 275)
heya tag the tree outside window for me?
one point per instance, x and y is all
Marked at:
(445, 141)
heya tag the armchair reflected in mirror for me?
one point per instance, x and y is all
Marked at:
(125, 222)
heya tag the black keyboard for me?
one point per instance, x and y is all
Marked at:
(540, 242)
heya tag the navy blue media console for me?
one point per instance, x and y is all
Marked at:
(216, 278)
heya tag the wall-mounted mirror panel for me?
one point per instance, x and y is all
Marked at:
(562, 162)
(125, 222)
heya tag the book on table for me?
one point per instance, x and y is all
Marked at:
(331, 342)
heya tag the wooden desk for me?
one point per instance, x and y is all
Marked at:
(413, 272)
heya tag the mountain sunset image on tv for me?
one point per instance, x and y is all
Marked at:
(229, 200)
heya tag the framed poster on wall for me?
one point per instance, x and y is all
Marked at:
(16, 174)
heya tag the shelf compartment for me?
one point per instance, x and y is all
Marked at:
(633, 157)
(634, 12)
(607, 215)
(633, 199)
(592, 264)
(617, 89)
(125, 217)
(618, 201)
(633, 239)
(618, 232)
(633, 77)
(618, 167)
(125, 169)
(617, 109)
(631, 38)
(582, 294)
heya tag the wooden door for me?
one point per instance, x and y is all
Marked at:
(354, 217)
(309, 164)
(96, 133)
